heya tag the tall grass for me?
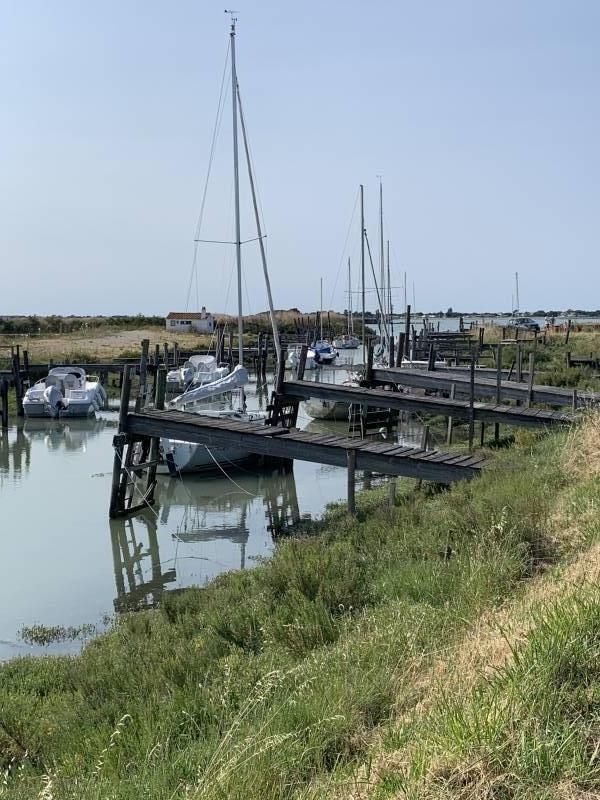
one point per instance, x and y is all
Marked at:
(265, 681)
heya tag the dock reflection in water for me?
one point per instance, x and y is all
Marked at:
(207, 510)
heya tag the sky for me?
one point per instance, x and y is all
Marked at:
(482, 118)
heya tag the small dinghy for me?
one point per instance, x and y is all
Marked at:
(64, 392)
(293, 358)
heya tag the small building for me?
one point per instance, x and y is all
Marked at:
(200, 321)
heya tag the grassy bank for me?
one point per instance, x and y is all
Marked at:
(279, 682)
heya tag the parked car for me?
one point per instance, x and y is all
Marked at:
(523, 322)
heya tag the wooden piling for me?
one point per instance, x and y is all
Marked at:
(450, 419)
(498, 391)
(471, 402)
(530, 380)
(160, 385)
(400, 349)
(392, 361)
(407, 331)
(4, 402)
(16, 366)
(116, 498)
(141, 398)
(351, 460)
(519, 363)
(166, 354)
(302, 362)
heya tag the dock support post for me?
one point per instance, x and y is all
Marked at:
(116, 499)
(498, 391)
(4, 401)
(392, 362)
(302, 363)
(530, 381)
(156, 355)
(160, 389)
(392, 491)
(16, 365)
(141, 398)
(351, 460)
(450, 420)
(471, 402)
(175, 354)
(400, 350)
(369, 371)
(166, 353)
(519, 363)
(407, 331)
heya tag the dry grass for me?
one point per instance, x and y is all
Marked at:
(491, 643)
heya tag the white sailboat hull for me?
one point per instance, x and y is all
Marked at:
(327, 409)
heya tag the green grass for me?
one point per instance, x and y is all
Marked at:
(268, 680)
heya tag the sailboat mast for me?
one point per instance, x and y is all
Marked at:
(383, 326)
(389, 288)
(259, 234)
(362, 266)
(321, 314)
(236, 183)
(350, 322)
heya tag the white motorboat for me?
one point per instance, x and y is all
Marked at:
(64, 392)
(293, 358)
(196, 371)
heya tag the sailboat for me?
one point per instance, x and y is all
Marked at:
(348, 341)
(325, 352)
(179, 456)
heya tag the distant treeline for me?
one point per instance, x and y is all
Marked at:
(57, 324)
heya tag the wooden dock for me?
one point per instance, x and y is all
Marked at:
(387, 458)
(484, 387)
(456, 408)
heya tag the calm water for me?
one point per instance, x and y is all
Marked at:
(63, 561)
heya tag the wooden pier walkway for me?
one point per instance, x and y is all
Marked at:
(484, 387)
(456, 408)
(387, 458)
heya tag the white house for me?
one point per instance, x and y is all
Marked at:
(202, 322)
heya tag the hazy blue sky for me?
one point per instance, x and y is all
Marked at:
(482, 116)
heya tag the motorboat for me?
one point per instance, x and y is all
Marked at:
(325, 353)
(64, 392)
(196, 371)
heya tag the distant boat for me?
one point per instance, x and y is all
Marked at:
(348, 341)
(325, 353)
(64, 392)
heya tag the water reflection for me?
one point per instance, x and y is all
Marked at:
(196, 513)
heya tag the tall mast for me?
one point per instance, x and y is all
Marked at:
(382, 259)
(321, 314)
(405, 300)
(389, 288)
(350, 321)
(362, 266)
(236, 183)
(261, 243)
(517, 288)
